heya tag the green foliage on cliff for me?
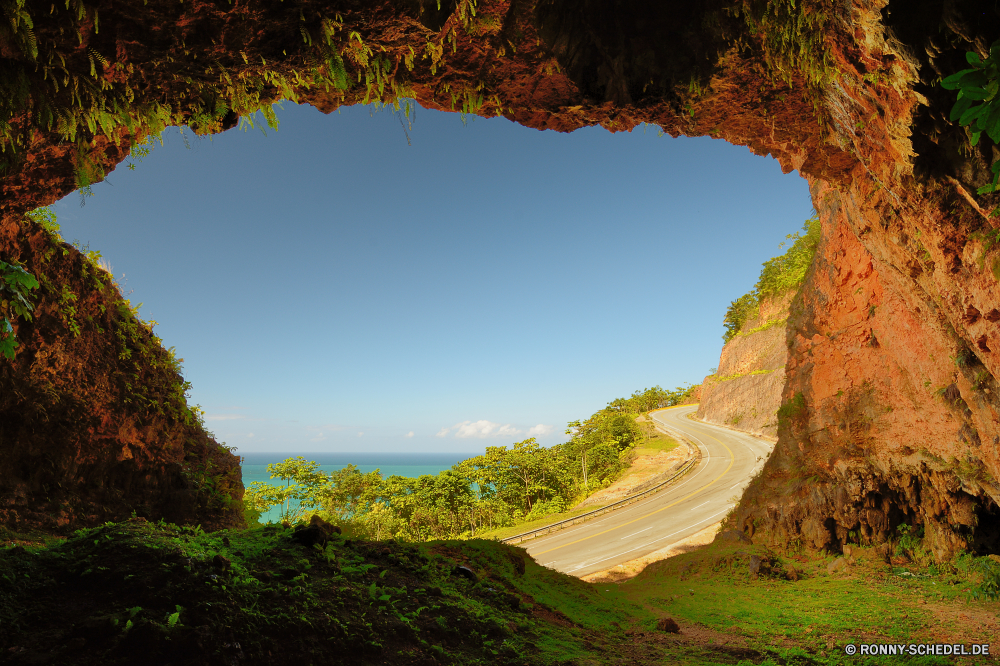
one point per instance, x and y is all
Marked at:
(792, 410)
(15, 301)
(792, 36)
(779, 275)
(45, 217)
(503, 487)
(61, 74)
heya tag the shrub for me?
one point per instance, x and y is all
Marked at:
(778, 276)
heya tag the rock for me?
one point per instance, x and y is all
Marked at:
(510, 600)
(754, 565)
(516, 557)
(220, 562)
(318, 531)
(791, 573)
(747, 401)
(465, 572)
(848, 550)
(838, 565)
(668, 625)
(731, 536)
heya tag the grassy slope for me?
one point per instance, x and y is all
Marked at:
(718, 603)
(138, 592)
(109, 596)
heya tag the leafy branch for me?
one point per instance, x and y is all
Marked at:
(778, 276)
(978, 105)
(15, 282)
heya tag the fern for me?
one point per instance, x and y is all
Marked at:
(173, 619)
(15, 283)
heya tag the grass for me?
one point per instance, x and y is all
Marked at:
(812, 619)
(157, 593)
(132, 591)
(658, 443)
(737, 375)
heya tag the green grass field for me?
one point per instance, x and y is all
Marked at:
(658, 443)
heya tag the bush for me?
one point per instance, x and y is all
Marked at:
(778, 276)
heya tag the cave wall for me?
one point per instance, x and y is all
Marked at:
(889, 410)
(94, 422)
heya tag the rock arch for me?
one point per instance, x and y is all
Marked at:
(840, 90)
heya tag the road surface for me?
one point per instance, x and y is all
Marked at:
(703, 497)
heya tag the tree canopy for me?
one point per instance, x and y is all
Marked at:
(778, 276)
(504, 486)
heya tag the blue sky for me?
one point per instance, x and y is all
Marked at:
(332, 288)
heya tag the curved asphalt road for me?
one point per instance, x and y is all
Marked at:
(703, 497)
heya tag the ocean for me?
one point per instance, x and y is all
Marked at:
(389, 464)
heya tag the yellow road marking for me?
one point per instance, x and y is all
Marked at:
(732, 459)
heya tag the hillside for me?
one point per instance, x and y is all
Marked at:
(745, 392)
(94, 419)
(154, 593)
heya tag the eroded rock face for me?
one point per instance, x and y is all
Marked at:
(890, 408)
(745, 391)
(93, 421)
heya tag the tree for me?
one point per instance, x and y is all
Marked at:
(305, 486)
(344, 496)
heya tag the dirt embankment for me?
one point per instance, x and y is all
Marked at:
(648, 468)
(745, 392)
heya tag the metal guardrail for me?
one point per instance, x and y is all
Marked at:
(555, 527)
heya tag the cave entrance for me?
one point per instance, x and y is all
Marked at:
(314, 277)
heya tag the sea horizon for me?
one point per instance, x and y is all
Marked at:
(389, 464)
(357, 457)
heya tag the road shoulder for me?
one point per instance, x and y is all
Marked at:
(626, 570)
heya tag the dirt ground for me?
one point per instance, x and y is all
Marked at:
(643, 470)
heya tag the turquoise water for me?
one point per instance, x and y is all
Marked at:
(389, 464)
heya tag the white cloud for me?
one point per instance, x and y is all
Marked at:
(443, 432)
(250, 435)
(540, 430)
(318, 438)
(507, 431)
(360, 434)
(480, 430)
(409, 434)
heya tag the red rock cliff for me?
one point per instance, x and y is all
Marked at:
(894, 343)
